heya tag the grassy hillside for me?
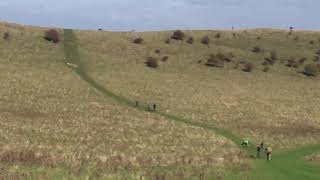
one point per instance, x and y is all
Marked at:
(56, 125)
(279, 107)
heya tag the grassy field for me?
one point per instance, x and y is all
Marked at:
(63, 126)
(55, 125)
(278, 107)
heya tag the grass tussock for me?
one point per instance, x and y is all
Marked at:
(25, 156)
(311, 69)
(265, 69)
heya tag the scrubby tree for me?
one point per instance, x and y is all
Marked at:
(190, 40)
(205, 40)
(6, 35)
(152, 62)
(247, 67)
(138, 40)
(178, 35)
(52, 35)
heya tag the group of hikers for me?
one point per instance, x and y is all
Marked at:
(259, 149)
(148, 107)
(244, 143)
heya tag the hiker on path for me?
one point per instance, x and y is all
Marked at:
(269, 151)
(258, 151)
(245, 143)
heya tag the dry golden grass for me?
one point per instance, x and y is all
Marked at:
(314, 157)
(50, 117)
(279, 107)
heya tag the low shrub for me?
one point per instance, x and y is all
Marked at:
(236, 65)
(302, 60)
(234, 35)
(242, 62)
(213, 61)
(247, 67)
(25, 156)
(165, 59)
(318, 52)
(292, 63)
(268, 61)
(167, 41)
(311, 42)
(273, 55)
(225, 58)
(205, 40)
(152, 62)
(256, 49)
(6, 35)
(100, 29)
(138, 40)
(218, 36)
(258, 38)
(296, 38)
(190, 40)
(265, 63)
(316, 58)
(52, 35)
(178, 35)
(265, 69)
(311, 70)
(157, 51)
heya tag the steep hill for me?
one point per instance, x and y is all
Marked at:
(56, 119)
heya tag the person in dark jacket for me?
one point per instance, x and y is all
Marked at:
(258, 151)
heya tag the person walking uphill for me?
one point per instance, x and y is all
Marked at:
(269, 151)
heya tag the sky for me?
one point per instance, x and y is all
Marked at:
(154, 15)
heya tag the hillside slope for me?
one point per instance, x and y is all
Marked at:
(55, 125)
(279, 107)
(63, 127)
